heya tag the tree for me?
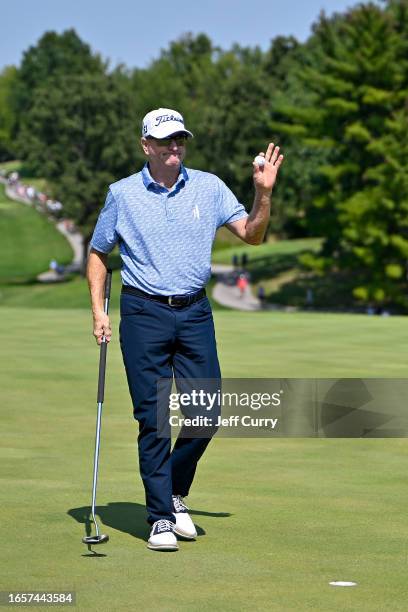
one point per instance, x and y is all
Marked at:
(80, 135)
(54, 56)
(234, 129)
(280, 57)
(8, 79)
(288, 93)
(375, 219)
(185, 77)
(354, 76)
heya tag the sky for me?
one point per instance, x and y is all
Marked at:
(133, 32)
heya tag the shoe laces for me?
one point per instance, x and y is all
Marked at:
(179, 504)
(163, 525)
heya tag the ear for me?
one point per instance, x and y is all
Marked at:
(145, 148)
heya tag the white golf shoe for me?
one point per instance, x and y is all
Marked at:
(184, 526)
(162, 536)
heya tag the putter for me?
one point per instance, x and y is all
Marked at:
(99, 538)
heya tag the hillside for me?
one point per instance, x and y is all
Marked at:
(29, 241)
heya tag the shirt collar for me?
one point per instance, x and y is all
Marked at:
(149, 180)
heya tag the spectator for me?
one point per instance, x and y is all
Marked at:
(244, 260)
(54, 265)
(13, 178)
(30, 192)
(261, 295)
(309, 297)
(242, 284)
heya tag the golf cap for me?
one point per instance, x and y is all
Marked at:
(163, 122)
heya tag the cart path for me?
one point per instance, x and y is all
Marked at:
(229, 295)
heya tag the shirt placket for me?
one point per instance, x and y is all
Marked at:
(169, 204)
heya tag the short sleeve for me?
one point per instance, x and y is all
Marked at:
(230, 209)
(105, 236)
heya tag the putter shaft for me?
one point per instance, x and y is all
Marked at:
(100, 397)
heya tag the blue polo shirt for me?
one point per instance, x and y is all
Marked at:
(165, 236)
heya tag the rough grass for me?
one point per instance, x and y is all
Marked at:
(29, 241)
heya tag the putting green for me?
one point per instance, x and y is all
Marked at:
(278, 519)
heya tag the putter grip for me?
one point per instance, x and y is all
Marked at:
(102, 368)
(108, 283)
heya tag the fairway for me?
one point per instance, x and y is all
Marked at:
(278, 519)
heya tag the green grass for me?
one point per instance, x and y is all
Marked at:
(313, 345)
(278, 519)
(267, 250)
(15, 165)
(28, 242)
(72, 293)
(224, 240)
(38, 183)
(11, 166)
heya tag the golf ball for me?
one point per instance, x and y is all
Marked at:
(259, 160)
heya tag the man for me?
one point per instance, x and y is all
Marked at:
(165, 219)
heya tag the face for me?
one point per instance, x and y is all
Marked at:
(167, 152)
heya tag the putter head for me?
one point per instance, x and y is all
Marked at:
(101, 539)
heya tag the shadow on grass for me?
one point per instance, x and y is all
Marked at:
(127, 517)
(308, 290)
(16, 281)
(329, 292)
(30, 281)
(34, 282)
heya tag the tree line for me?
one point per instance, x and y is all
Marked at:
(337, 105)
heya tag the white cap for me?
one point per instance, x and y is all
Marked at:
(163, 122)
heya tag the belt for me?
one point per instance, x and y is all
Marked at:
(171, 300)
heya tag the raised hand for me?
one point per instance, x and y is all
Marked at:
(265, 176)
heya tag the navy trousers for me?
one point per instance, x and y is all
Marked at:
(159, 341)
